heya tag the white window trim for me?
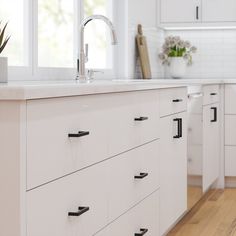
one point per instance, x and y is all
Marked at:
(33, 72)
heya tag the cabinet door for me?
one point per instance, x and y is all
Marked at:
(173, 171)
(185, 11)
(211, 141)
(218, 10)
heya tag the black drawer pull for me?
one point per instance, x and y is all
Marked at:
(197, 12)
(180, 128)
(81, 211)
(141, 176)
(213, 94)
(142, 118)
(177, 100)
(142, 232)
(79, 134)
(215, 114)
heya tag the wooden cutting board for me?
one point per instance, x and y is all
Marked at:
(143, 54)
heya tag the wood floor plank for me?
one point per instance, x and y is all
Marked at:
(215, 215)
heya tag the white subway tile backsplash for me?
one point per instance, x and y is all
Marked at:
(216, 55)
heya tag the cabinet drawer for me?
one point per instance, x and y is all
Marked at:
(173, 101)
(134, 120)
(211, 94)
(230, 127)
(48, 206)
(230, 99)
(127, 185)
(109, 119)
(230, 161)
(143, 216)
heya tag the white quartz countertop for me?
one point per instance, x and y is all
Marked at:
(24, 90)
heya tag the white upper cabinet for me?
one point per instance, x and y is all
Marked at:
(181, 11)
(196, 13)
(218, 10)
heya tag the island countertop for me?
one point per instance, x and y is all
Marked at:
(26, 90)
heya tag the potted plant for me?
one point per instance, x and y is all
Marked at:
(177, 54)
(3, 60)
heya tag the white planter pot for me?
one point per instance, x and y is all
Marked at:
(178, 67)
(3, 69)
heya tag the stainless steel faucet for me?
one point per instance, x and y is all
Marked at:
(82, 56)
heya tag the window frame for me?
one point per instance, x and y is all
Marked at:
(32, 71)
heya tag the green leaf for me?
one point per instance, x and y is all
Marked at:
(2, 34)
(4, 44)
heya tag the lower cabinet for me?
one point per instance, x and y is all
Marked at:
(141, 220)
(86, 201)
(173, 171)
(211, 147)
(48, 207)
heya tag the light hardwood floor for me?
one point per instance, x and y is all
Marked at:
(215, 215)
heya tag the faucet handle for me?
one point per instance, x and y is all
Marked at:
(86, 52)
(91, 73)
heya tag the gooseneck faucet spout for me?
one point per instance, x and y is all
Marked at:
(82, 57)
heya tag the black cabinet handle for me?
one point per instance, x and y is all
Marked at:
(142, 118)
(180, 128)
(81, 211)
(177, 100)
(213, 94)
(142, 232)
(215, 114)
(79, 134)
(197, 12)
(141, 176)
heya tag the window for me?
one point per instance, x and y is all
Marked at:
(97, 35)
(16, 28)
(55, 33)
(45, 35)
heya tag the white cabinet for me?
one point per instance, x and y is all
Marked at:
(77, 164)
(211, 94)
(218, 10)
(173, 171)
(132, 176)
(211, 144)
(230, 161)
(181, 11)
(140, 219)
(230, 134)
(48, 206)
(230, 100)
(110, 124)
(196, 13)
(172, 101)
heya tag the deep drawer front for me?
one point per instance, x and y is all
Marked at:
(143, 219)
(99, 126)
(172, 101)
(132, 177)
(49, 205)
(230, 161)
(211, 94)
(230, 127)
(230, 99)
